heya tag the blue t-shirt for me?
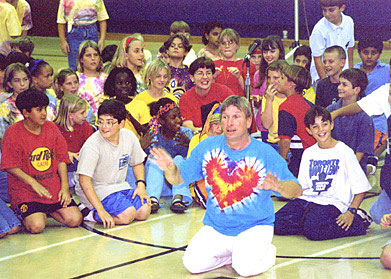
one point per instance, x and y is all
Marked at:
(231, 176)
(356, 131)
(378, 77)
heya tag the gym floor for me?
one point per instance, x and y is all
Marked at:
(154, 248)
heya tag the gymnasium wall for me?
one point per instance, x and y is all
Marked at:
(250, 18)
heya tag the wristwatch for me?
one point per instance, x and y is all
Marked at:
(353, 210)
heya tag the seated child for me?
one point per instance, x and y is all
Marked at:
(66, 81)
(23, 45)
(177, 47)
(71, 121)
(327, 89)
(210, 127)
(210, 38)
(302, 57)
(256, 56)
(121, 85)
(333, 188)
(35, 156)
(271, 101)
(104, 194)
(91, 77)
(163, 51)
(230, 71)
(9, 223)
(385, 257)
(182, 28)
(42, 78)
(356, 131)
(168, 134)
(370, 49)
(291, 130)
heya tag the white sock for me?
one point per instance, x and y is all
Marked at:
(90, 217)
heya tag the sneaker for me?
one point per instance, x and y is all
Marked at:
(366, 219)
(372, 164)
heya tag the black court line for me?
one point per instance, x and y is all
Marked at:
(328, 258)
(129, 262)
(83, 225)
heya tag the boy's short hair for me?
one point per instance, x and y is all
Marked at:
(24, 44)
(299, 75)
(315, 111)
(179, 26)
(231, 34)
(187, 46)
(31, 98)
(202, 62)
(338, 49)
(114, 108)
(240, 102)
(277, 66)
(357, 78)
(332, 3)
(370, 41)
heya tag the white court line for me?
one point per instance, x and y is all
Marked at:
(317, 254)
(86, 236)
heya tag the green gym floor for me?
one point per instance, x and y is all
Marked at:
(154, 248)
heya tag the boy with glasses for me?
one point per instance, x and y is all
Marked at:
(104, 194)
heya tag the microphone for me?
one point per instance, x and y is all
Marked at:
(255, 44)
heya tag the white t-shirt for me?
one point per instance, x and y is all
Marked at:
(325, 34)
(377, 102)
(107, 164)
(331, 176)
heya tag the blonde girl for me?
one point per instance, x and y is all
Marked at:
(156, 78)
(130, 54)
(91, 78)
(66, 81)
(71, 120)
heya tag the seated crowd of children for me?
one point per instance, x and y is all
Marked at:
(92, 129)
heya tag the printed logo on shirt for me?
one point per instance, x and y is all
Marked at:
(232, 182)
(123, 161)
(320, 169)
(41, 158)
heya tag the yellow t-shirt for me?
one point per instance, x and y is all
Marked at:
(9, 26)
(273, 130)
(309, 94)
(147, 99)
(140, 111)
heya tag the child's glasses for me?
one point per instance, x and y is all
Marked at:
(229, 43)
(202, 74)
(109, 123)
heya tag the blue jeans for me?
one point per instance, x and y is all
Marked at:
(380, 207)
(158, 186)
(4, 187)
(74, 38)
(314, 221)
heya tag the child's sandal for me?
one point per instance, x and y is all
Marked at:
(154, 205)
(178, 206)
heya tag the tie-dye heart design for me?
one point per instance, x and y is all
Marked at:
(231, 182)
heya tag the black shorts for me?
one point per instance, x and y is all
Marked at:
(27, 208)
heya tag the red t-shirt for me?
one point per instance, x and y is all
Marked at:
(229, 80)
(190, 102)
(76, 138)
(37, 156)
(291, 119)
